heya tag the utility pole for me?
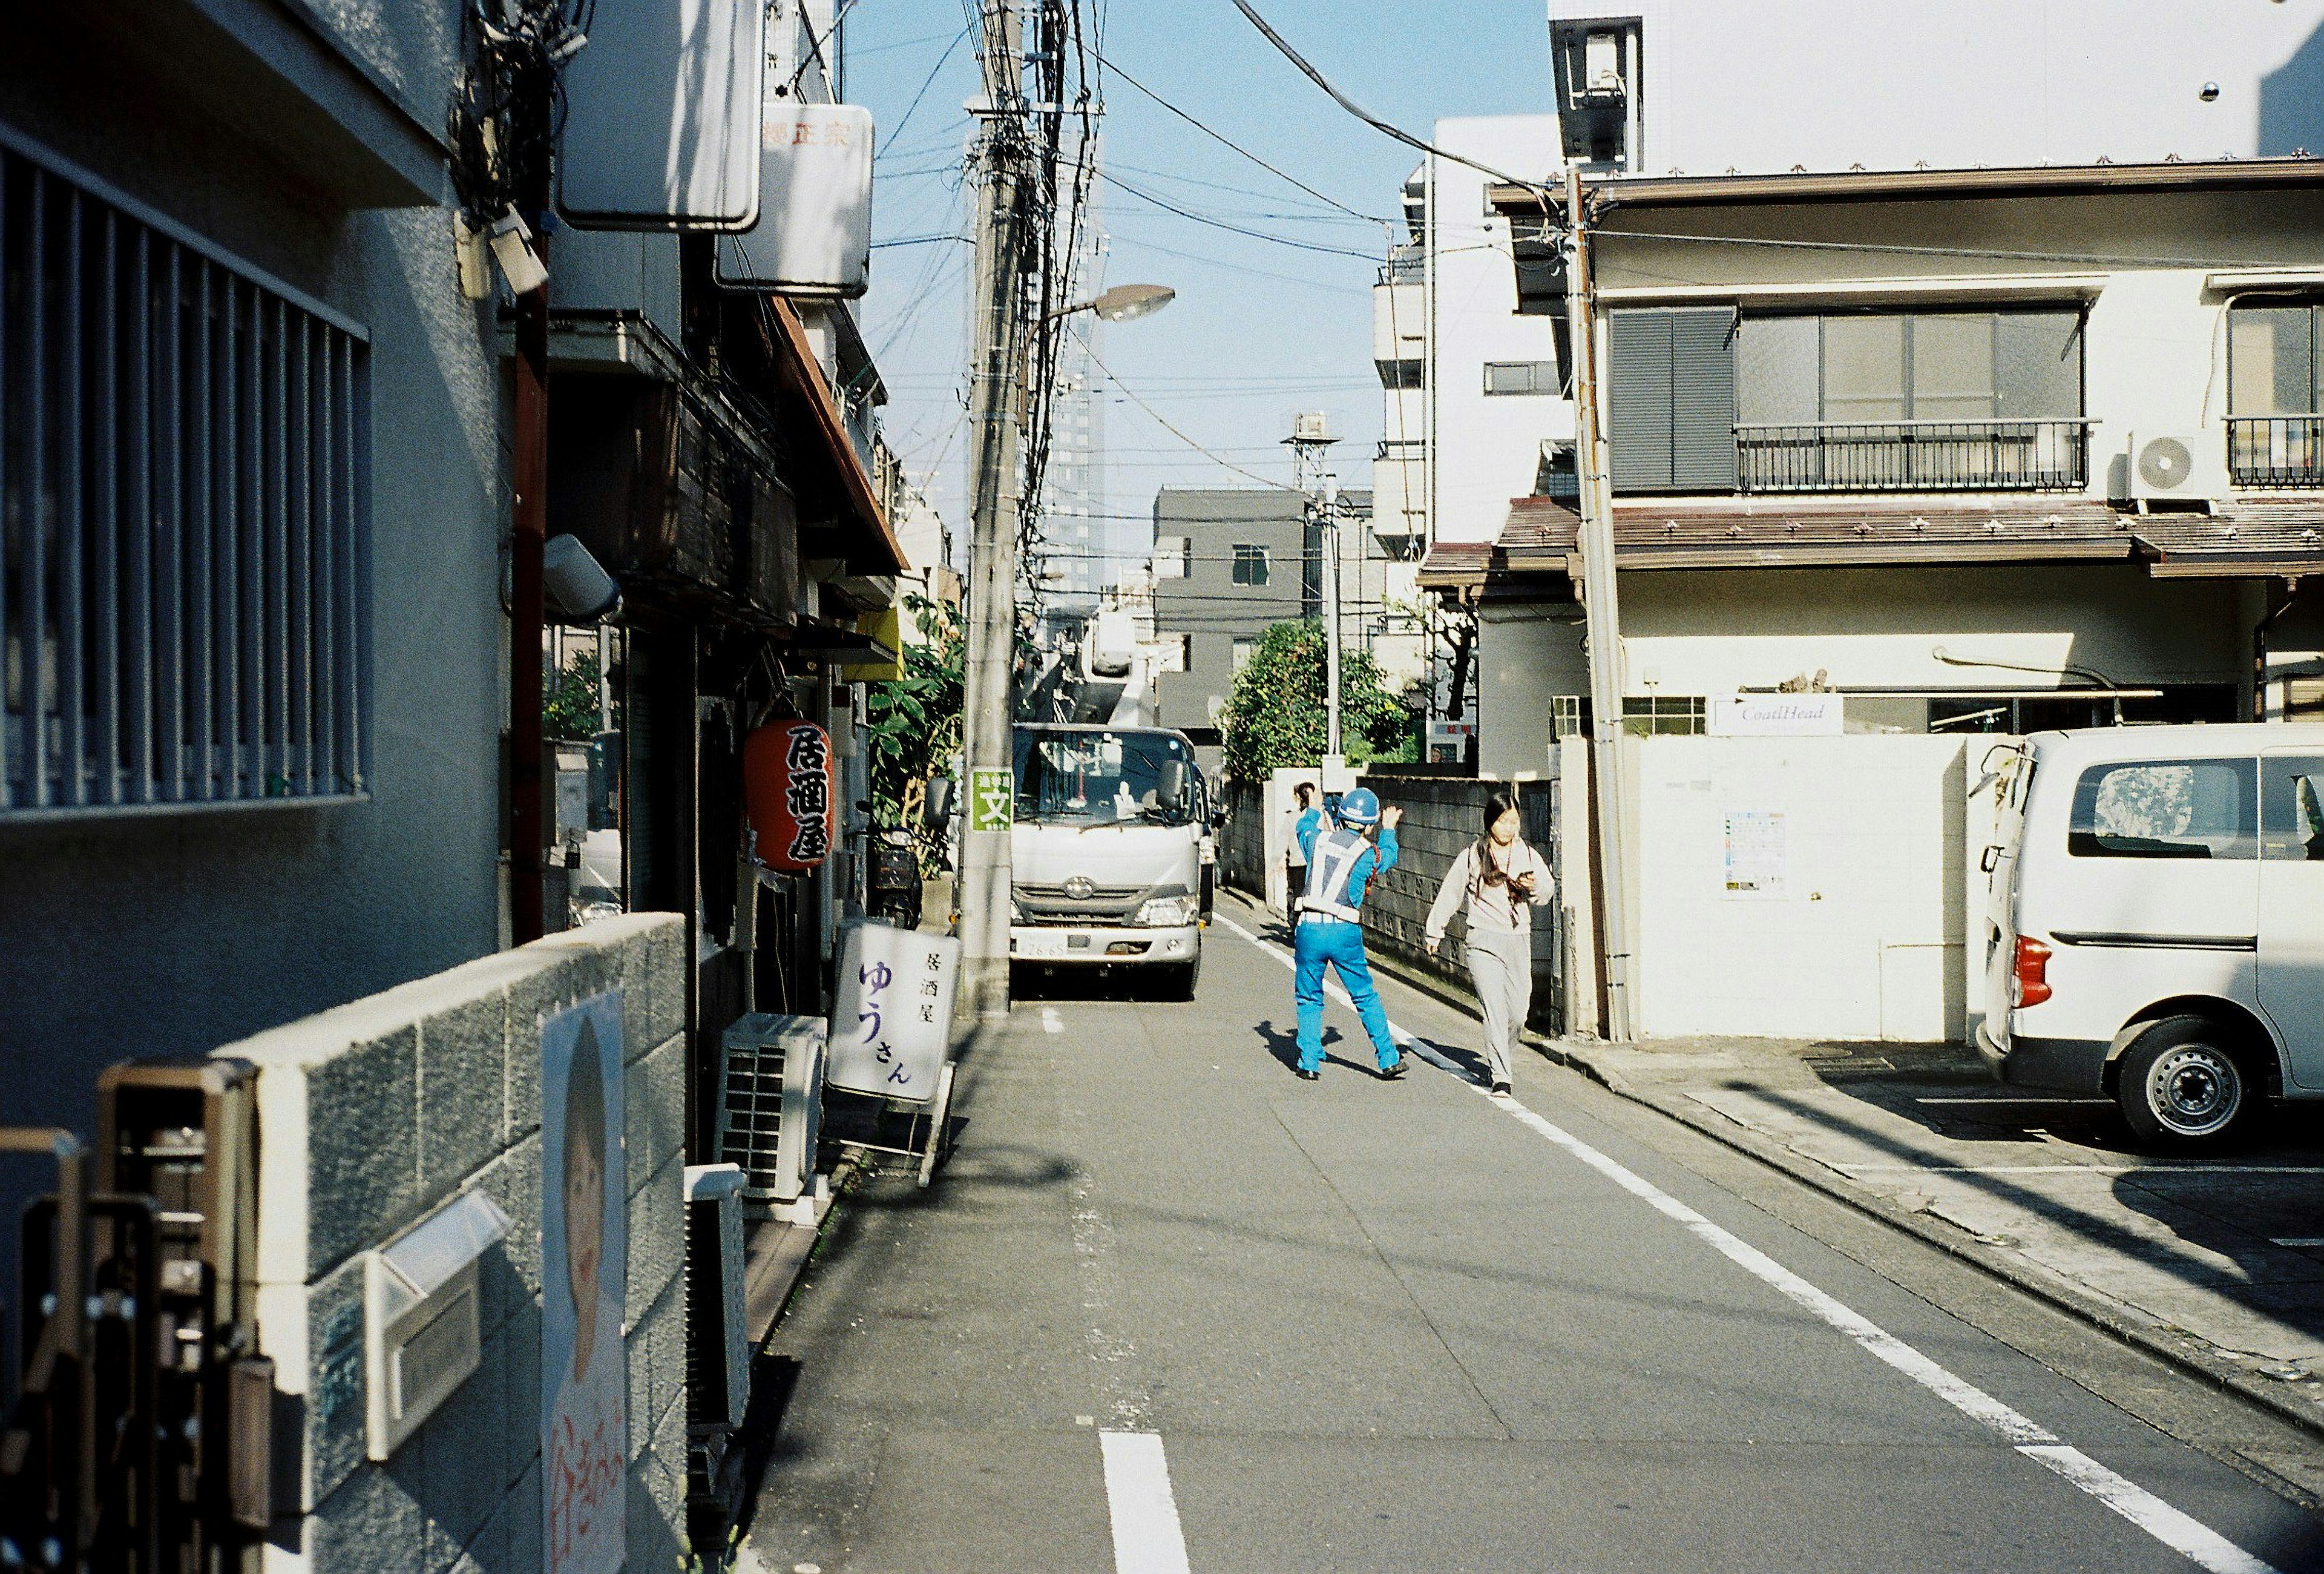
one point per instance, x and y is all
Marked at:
(997, 351)
(1310, 442)
(1602, 601)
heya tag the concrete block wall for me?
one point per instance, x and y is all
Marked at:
(1441, 816)
(370, 1116)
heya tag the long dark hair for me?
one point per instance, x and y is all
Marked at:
(1503, 800)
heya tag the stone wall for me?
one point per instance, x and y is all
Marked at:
(373, 1116)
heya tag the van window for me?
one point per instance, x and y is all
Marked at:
(2166, 809)
(2292, 810)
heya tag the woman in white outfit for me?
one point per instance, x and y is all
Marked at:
(1501, 880)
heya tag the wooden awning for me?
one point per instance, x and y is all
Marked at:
(834, 472)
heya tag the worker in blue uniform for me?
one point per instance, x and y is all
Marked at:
(1328, 925)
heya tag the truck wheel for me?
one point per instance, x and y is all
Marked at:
(2181, 1086)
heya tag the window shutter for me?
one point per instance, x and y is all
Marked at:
(1702, 399)
(1639, 353)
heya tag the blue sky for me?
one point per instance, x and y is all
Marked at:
(1259, 328)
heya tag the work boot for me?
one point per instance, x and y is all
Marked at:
(1394, 1071)
(1308, 1073)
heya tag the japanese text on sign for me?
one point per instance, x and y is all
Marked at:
(892, 1024)
(992, 800)
(808, 794)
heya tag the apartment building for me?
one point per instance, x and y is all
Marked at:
(1469, 348)
(1989, 449)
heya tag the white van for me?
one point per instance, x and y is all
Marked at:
(2155, 922)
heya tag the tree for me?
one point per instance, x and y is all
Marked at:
(913, 721)
(1275, 715)
(568, 710)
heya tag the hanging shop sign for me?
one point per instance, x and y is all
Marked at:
(814, 234)
(660, 128)
(791, 795)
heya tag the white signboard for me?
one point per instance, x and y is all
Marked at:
(814, 234)
(891, 1022)
(661, 123)
(1759, 856)
(1776, 716)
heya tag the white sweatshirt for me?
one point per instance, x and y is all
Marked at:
(1492, 909)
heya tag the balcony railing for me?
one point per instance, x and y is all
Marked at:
(2275, 450)
(1914, 456)
(1407, 264)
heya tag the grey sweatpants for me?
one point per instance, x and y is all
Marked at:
(1501, 963)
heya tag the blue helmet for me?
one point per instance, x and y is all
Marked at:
(1360, 807)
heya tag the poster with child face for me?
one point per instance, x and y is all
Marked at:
(584, 1279)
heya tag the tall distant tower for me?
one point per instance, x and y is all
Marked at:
(1073, 492)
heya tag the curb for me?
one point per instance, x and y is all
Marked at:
(2183, 1351)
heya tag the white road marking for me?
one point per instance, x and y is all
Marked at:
(2296, 1241)
(1147, 1536)
(2149, 1513)
(1050, 1021)
(2182, 1533)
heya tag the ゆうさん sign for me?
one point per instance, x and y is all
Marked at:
(891, 1021)
(791, 790)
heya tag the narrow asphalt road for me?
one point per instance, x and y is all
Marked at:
(1171, 1309)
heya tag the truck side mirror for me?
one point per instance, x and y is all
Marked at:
(1172, 781)
(936, 810)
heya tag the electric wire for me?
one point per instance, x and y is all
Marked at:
(1225, 142)
(1164, 423)
(1385, 128)
(1304, 245)
(905, 119)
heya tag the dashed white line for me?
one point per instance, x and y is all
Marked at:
(1050, 1021)
(1147, 1535)
(2181, 1533)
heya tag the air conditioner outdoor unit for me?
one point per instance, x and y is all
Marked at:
(2176, 468)
(717, 1333)
(770, 1102)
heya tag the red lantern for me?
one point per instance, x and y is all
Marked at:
(790, 795)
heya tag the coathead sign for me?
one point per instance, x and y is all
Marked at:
(790, 793)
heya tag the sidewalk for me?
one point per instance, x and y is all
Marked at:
(2217, 1263)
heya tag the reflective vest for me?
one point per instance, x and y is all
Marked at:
(1330, 867)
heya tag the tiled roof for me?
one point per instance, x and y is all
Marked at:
(2251, 536)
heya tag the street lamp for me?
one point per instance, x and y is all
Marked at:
(1122, 302)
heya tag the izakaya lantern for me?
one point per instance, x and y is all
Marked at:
(790, 795)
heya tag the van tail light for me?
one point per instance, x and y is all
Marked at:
(2033, 972)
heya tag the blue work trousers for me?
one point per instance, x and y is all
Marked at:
(1313, 942)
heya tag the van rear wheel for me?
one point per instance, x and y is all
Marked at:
(2181, 1087)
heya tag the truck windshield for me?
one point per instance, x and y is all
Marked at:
(1092, 777)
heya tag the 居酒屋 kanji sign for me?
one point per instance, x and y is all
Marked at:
(790, 793)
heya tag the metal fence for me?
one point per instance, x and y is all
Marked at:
(1914, 455)
(2275, 450)
(183, 485)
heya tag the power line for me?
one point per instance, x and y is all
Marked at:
(1164, 422)
(1305, 245)
(905, 119)
(1228, 144)
(1384, 127)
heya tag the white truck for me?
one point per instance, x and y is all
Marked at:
(1108, 852)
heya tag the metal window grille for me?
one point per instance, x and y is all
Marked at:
(1521, 377)
(184, 463)
(1658, 715)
